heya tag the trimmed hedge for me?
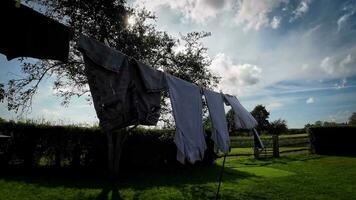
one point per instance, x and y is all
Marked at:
(333, 140)
(34, 145)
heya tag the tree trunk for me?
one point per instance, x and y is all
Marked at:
(57, 158)
(275, 146)
(76, 157)
(120, 140)
(110, 155)
(114, 152)
(256, 152)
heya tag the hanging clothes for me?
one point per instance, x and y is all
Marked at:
(153, 80)
(117, 87)
(242, 118)
(27, 33)
(220, 134)
(257, 140)
(187, 105)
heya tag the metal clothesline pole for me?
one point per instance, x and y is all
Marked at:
(220, 177)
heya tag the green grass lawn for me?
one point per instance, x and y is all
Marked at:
(293, 176)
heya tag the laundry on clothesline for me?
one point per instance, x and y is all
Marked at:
(219, 133)
(31, 34)
(125, 91)
(242, 118)
(257, 139)
(187, 108)
(118, 90)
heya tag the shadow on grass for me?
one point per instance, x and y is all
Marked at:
(104, 194)
(281, 160)
(137, 180)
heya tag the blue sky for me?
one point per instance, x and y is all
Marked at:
(298, 58)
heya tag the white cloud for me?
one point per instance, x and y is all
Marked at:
(305, 67)
(195, 10)
(342, 21)
(327, 65)
(339, 65)
(302, 8)
(253, 14)
(342, 84)
(310, 100)
(235, 77)
(346, 61)
(275, 22)
(274, 105)
(340, 116)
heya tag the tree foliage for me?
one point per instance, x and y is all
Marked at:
(278, 127)
(352, 119)
(261, 115)
(107, 21)
(230, 120)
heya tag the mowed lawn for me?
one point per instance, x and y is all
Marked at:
(293, 176)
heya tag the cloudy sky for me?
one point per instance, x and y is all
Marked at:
(298, 58)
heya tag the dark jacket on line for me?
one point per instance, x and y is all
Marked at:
(124, 91)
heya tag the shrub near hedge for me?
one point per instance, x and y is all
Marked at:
(333, 140)
(35, 145)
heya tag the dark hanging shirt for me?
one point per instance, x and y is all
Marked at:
(27, 33)
(124, 91)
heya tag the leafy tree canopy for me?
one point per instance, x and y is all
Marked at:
(278, 127)
(107, 21)
(352, 119)
(261, 115)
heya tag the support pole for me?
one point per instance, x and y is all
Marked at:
(120, 140)
(220, 178)
(275, 146)
(109, 136)
(116, 140)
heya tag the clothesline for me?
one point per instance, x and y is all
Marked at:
(125, 91)
(148, 83)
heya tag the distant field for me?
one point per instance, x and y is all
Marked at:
(293, 176)
(295, 140)
(238, 151)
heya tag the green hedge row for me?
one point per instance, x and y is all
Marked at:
(333, 140)
(34, 145)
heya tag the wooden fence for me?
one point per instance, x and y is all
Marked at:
(274, 145)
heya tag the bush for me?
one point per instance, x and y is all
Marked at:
(333, 140)
(36, 145)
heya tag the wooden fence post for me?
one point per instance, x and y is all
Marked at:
(256, 153)
(275, 145)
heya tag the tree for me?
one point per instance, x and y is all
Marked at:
(107, 21)
(352, 119)
(261, 115)
(330, 123)
(2, 92)
(230, 121)
(318, 123)
(278, 126)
